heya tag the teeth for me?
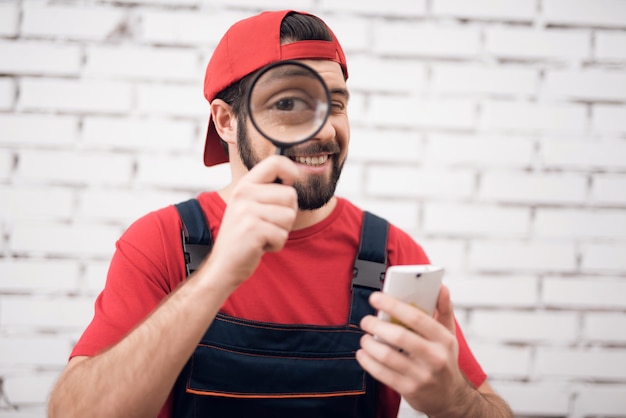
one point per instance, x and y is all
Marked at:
(312, 160)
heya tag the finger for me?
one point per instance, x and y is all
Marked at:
(414, 319)
(271, 168)
(278, 216)
(384, 353)
(445, 310)
(400, 382)
(396, 336)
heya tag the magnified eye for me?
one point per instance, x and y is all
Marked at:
(285, 104)
(290, 104)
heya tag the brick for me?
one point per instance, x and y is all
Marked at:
(28, 410)
(372, 75)
(45, 313)
(514, 10)
(6, 165)
(552, 44)
(604, 257)
(601, 400)
(143, 63)
(409, 112)
(502, 360)
(29, 389)
(610, 46)
(536, 398)
(609, 118)
(583, 154)
(39, 58)
(69, 240)
(354, 33)
(38, 276)
(587, 293)
(479, 80)
(25, 203)
(80, 96)
(384, 182)
(9, 19)
(358, 110)
(403, 214)
(532, 188)
(449, 253)
(605, 364)
(75, 168)
(466, 150)
(270, 4)
(585, 12)
(22, 130)
(511, 256)
(145, 135)
(180, 172)
(7, 93)
(531, 117)
(458, 220)
(177, 3)
(71, 22)
(602, 327)
(123, 205)
(399, 145)
(579, 224)
(403, 8)
(352, 180)
(185, 27)
(410, 39)
(30, 351)
(493, 292)
(525, 327)
(95, 277)
(185, 101)
(584, 85)
(406, 411)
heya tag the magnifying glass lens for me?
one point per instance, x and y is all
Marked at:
(288, 104)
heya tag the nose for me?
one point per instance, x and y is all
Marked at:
(327, 133)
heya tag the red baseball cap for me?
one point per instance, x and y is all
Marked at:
(249, 45)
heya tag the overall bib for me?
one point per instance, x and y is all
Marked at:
(245, 368)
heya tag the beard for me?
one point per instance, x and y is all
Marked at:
(315, 191)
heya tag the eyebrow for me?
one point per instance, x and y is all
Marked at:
(341, 92)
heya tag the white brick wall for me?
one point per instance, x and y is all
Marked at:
(493, 131)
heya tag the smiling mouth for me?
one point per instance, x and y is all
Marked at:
(311, 161)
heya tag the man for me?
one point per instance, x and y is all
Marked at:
(279, 275)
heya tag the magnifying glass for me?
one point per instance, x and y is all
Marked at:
(288, 103)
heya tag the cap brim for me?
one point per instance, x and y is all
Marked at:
(213, 150)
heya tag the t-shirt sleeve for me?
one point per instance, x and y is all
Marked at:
(139, 278)
(467, 362)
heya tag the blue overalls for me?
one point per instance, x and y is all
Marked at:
(247, 369)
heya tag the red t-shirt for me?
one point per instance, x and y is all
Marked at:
(307, 282)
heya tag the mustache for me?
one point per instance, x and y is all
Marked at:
(313, 149)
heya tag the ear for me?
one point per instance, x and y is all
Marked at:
(224, 120)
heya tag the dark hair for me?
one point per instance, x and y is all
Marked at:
(295, 27)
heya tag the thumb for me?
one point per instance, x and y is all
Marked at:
(445, 310)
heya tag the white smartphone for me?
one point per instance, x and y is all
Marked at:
(417, 285)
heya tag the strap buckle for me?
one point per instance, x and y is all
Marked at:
(194, 254)
(368, 274)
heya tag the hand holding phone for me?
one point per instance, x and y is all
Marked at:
(417, 285)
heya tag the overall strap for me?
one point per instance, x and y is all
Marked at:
(369, 266)
(196, 235)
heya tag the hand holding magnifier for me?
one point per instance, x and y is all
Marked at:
(288, 103)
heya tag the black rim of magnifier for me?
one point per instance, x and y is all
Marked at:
(277, 143)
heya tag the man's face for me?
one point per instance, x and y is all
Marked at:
(319, 160)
